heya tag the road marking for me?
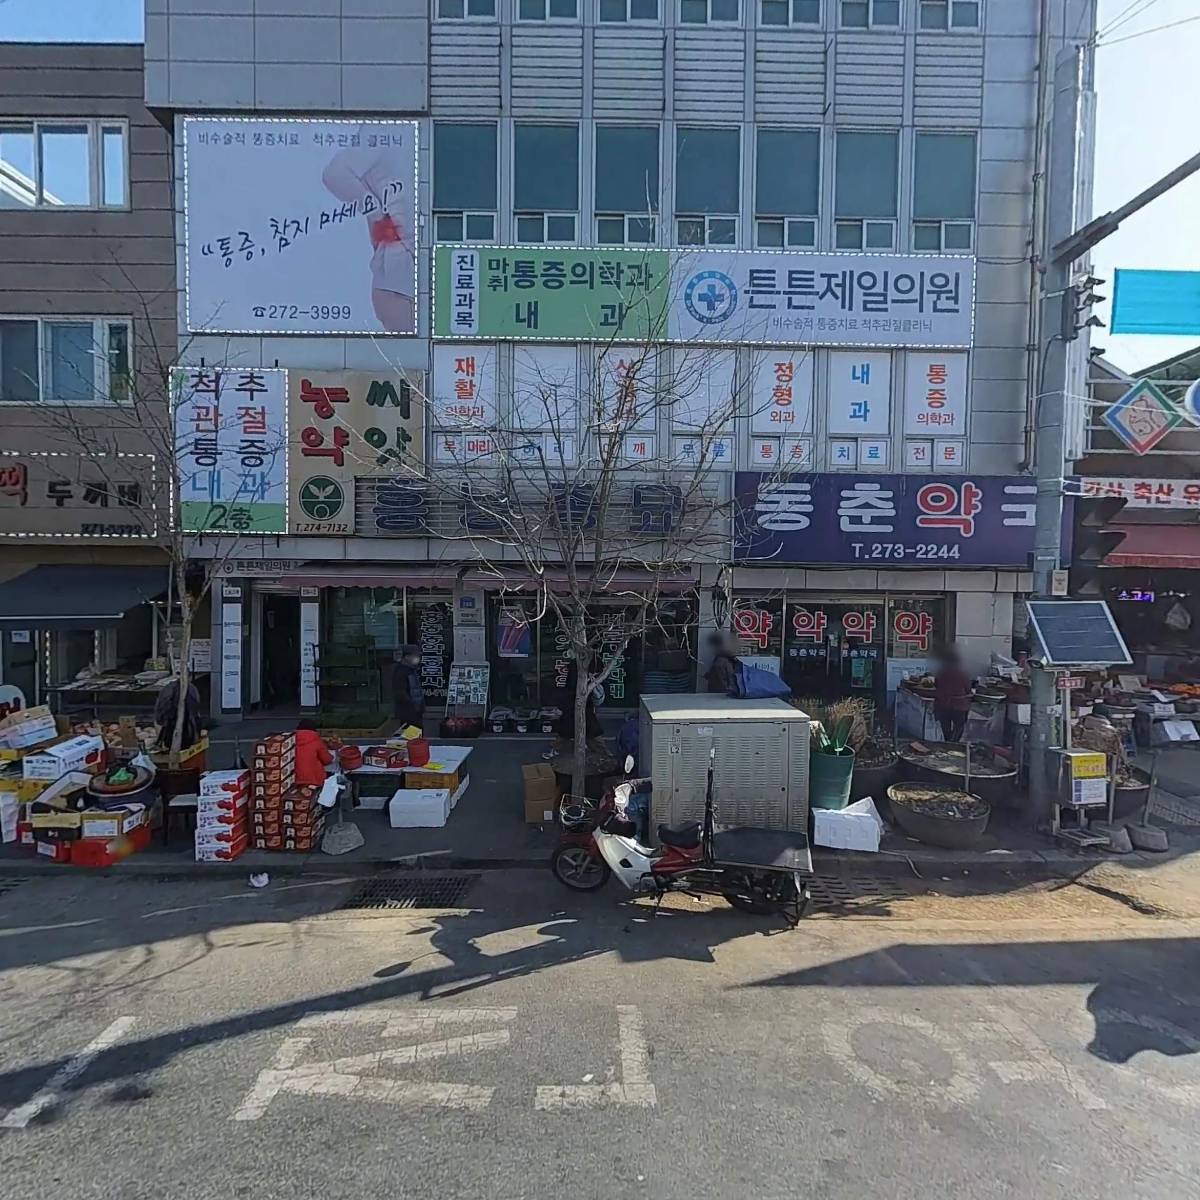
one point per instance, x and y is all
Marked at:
(348, 1075)
(634, 1087)
(400, 1022)
(51, 1094)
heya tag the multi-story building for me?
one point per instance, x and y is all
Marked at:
(87, 313)
(898, 141)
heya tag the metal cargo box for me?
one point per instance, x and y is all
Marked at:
(761, 770)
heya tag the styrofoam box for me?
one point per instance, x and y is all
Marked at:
(55, 761)
(855, 827)
(419, 808)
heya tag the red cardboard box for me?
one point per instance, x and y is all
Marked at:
(223, 851)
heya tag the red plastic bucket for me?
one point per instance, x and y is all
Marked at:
(418, 752)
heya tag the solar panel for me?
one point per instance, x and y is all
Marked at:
(1075, 633)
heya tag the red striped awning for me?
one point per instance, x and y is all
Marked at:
(1157, 546)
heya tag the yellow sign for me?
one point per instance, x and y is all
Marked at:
(1087, 764)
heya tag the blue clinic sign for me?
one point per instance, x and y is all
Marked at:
(884, 520)
(1166, 302)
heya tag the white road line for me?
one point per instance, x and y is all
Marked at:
(51, 1094)
(635, 1087)
(403, 1022)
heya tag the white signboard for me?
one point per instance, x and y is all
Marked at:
(781, 392)
(310, 644)
(231, 449)
(860, 393)
(464, 386)
(935, 394)
(1138, 491)
(628, 387)
(295, 225)
(702, 387)
(546, 388)
(231, 655)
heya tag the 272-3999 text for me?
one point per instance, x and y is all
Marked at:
(293, 312)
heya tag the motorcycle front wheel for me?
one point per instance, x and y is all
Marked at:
(579, 869)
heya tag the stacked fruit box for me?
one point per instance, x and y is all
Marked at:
(222, 825)
(282, 815)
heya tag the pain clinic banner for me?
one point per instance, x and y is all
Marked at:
(294, 225)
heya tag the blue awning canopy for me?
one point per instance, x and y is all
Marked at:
(77, 596)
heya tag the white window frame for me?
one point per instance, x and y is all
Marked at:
(102, 380)
(629, 18)
(791, 22)
(949, 7)
(463, 216)
(547, 19)
(862, 223)
(787, 220)
(785, 225)
(872, 23)
(707, 218)
(625, 218)
(546, 214)
(482, 19)
(709, 19)
(96, 128)
(461, 213)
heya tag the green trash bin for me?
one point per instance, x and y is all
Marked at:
(829, 778)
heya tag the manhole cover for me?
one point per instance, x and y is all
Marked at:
(855, 892)
(414, 891)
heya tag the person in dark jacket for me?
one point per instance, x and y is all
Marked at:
(722, 671)
(952, 696)
(167, 705)
(408, 695)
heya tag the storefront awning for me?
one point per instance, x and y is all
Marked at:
(425, 575)
(1156, 546)
(77, 596)
(639, 582)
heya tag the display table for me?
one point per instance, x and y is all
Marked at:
(446, 768)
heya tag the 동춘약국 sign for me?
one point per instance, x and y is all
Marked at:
(707, 297)
(300, 226)
(884, 520)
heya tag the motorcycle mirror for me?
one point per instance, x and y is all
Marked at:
(628, 764)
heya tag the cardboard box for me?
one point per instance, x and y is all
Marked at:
(212, 839)
(63, 793)
(112, 822)
(59, 852)
(62, 821)
(103, 852)
(423, 808)
(221, 808)
(221, 783)
(31, 789)
(223, 851)
(69, 754)
(28, 727)
(541, 793)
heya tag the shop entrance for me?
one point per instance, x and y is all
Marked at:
(281, 652)
(20, 662)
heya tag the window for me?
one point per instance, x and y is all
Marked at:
(547, 10)
(865, 191)
(790, 12)
(466, 10)
(70, 360)
(546, 182)
(787, 179)
(63, 164)
(626, 184)
(464, 182)
(616, 11)
(869, 14)
(709, 12)
(944, 191)
(707, 185)
(949, 14)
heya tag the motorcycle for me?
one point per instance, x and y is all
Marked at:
(759, 871)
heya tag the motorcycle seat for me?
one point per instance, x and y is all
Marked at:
(684, 836)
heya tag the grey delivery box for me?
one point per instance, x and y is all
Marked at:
(761, 769)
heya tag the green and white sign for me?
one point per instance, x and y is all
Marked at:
(702, 296)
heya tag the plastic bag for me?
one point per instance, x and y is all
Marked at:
(1178, 618)
(143, 760)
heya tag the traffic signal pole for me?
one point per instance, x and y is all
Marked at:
(1062, 354)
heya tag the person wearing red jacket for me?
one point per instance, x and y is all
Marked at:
(312, 755)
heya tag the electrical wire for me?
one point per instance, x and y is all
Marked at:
(1125, 16)
(1129, 37)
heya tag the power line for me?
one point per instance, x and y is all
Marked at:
(1125, 15)
(1129, 37)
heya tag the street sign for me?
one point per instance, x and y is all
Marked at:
(1068, 683)
(1142, 417)
(1060, 583)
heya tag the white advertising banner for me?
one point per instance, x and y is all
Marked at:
(781, 392)
(295, 225)
(860, 393)
(935, 394)
(546, 388)
(627, 383)
(464, 387)
(702, 389)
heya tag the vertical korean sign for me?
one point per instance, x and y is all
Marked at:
(231, 449)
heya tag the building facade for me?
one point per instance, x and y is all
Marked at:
(860, 176)
(87, 311)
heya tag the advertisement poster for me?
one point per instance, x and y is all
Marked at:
(935, 395)
(860, 394)
(464, 387)
(231, 449)
(345, 424)
(884, 520)
(714, 297)
(513, 637)
(295, 225)
(58, 494)
(781, 392)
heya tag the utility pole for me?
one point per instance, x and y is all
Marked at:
(1060, 355)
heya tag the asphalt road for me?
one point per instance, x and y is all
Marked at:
(199, 1039)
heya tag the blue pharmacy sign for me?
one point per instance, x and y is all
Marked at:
(884, 520)
(1160, 302)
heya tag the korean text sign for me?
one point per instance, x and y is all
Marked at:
(345, 424)
(884, 520)
(713, 297)
(231, 448)
(300, 226)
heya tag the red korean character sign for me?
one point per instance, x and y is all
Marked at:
(912, 629)
(809, 625)
(946, 506)
(757, 627)
(464, 386)
(859, 626)
(781, 393)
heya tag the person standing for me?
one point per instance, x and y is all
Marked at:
(951, 696)
(408, 694)
(721, 675)
(312, 755)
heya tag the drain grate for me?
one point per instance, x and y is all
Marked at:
(855, 893)
(411, 891)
